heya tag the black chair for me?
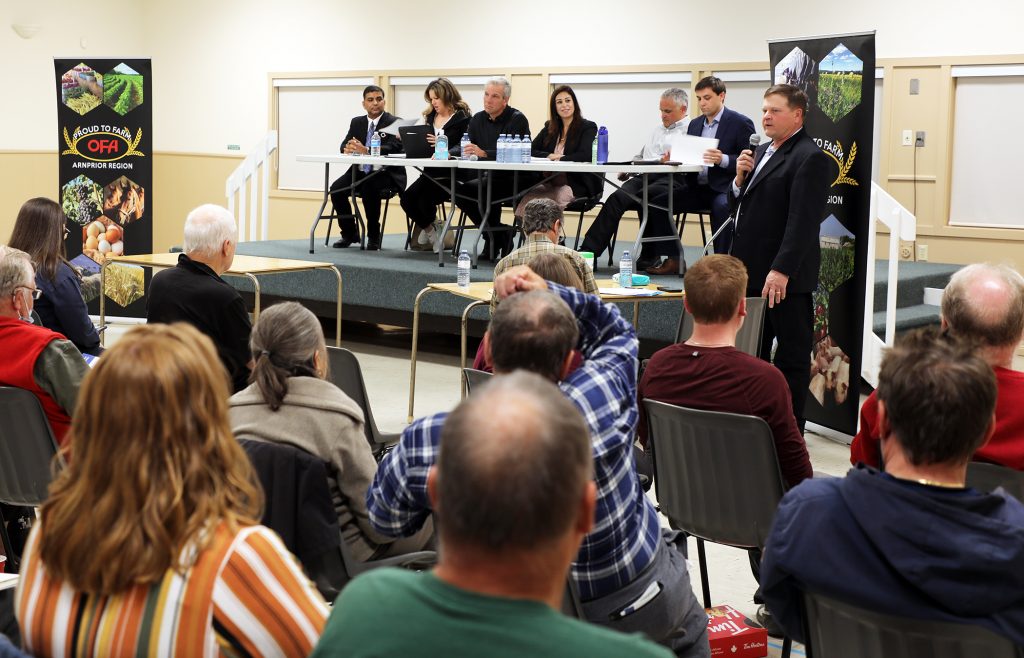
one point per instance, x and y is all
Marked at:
(345, 373)
(571, 604)
(840, 630)
(582, 205)
(701, 213)
(748, 339)
(471, 377)
(988, 477)
(28, 452)
(298, 508)
(386, 194)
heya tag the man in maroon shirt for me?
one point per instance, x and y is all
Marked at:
(707, 371)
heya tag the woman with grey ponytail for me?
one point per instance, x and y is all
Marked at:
(289, 401)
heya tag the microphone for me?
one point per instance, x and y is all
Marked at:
(755, 141)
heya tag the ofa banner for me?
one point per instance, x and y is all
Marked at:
(838, 75)
(104, 128)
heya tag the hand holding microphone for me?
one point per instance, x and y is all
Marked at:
(745, 161)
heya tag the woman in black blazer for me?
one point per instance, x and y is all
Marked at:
(566, 136)
(447, 111)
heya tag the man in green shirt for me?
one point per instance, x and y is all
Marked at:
(513, 503)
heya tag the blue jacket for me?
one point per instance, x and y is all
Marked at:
(62, 310)
(899, 548)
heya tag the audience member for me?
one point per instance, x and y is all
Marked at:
(35, 358)
(566, 136)
(370, 187)
(148, 543)
(290, 402)
(672, 106)
(510, 525)
(627, 558)
(708, 372)
(40, 231)
(448, 112)
(983, 304)
(497, 118)
(193, 292)
(780, 203)
(913, 541)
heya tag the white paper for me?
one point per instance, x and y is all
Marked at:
(628, 292)
(392, 128)
(687, 149)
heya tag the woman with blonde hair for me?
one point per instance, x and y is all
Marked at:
(149, 541)
(289, 401)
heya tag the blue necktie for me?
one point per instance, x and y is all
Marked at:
(369, 136)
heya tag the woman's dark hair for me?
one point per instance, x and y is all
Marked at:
(283, 343)
(39, 232)
(555, 121)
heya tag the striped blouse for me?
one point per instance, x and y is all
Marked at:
(245, 595)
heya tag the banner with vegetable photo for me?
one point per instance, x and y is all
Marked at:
(838, 74)
(104, 134)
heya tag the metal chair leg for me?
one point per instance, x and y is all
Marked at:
(704, 584)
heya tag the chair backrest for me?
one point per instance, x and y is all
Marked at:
(346, 375)
(571, 604)
(988, 477)
(475, 378)
(840, 630)
(27, 448)
(748, 338)
(716, 474)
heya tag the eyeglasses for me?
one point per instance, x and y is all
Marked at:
(36, 292)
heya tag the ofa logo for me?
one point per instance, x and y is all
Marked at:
(102, 143)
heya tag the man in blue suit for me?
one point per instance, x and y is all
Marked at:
(708, 188)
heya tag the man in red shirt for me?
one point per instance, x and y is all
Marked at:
(983, 304)
(34, 358)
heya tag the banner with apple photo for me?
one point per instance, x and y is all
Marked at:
(838, 74)
(104, 134)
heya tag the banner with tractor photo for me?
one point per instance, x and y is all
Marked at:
(838, 75)
(104, 133)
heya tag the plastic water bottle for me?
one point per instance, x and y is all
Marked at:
(527, 150)
(441, 146)
(464, 144)
(522, 152)
(375, 145)
(602, 145)
(625, 270)
(462, 276)
(501, 148)
(593, 151)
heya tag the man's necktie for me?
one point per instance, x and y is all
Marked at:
(369, 136)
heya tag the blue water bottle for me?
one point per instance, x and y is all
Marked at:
(625, 271)
(441, 146)
(602, 145)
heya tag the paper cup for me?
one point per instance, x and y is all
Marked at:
(588, 257)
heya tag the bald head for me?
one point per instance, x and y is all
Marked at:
(514, 463)
(984, 303)
(533, 331)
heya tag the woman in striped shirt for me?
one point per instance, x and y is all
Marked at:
(149, 543)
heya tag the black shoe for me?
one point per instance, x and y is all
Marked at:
(643, 263)
(767, 621)
(373, 246)
(345, 243)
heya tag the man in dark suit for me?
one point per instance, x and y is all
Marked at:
(372, 188)
(779, 196)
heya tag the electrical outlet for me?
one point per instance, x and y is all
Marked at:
(922, 252)
(908, 137)
(906, 250)
(919, 139)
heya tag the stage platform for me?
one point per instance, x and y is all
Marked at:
(380, 287)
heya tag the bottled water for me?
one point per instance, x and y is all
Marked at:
(462, 277)
(515, 154)
(375, 144)
(502, 148)
(593, 151)
(441, 146)
(625, 270)
(526, 150)
(464, 144)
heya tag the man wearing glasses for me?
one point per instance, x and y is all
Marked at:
(34, 358)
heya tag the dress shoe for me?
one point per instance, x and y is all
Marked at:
(345, 243)
(667, 266)
(768, 622)
(373, 246)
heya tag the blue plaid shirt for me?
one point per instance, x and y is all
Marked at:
(626, 532)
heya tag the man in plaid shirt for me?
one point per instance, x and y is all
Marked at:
(631, 574)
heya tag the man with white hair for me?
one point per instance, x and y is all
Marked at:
(193, 292)
(36, 359)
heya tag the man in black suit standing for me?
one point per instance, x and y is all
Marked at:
(373, 187)
(779, 199)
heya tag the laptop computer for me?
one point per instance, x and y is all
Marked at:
(414, 141)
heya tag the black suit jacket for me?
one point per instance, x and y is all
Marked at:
(733, 135)
(579, 148)
(781, 210)
(388, 144)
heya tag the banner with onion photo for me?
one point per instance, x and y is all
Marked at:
(104, 134)
(838, 75)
